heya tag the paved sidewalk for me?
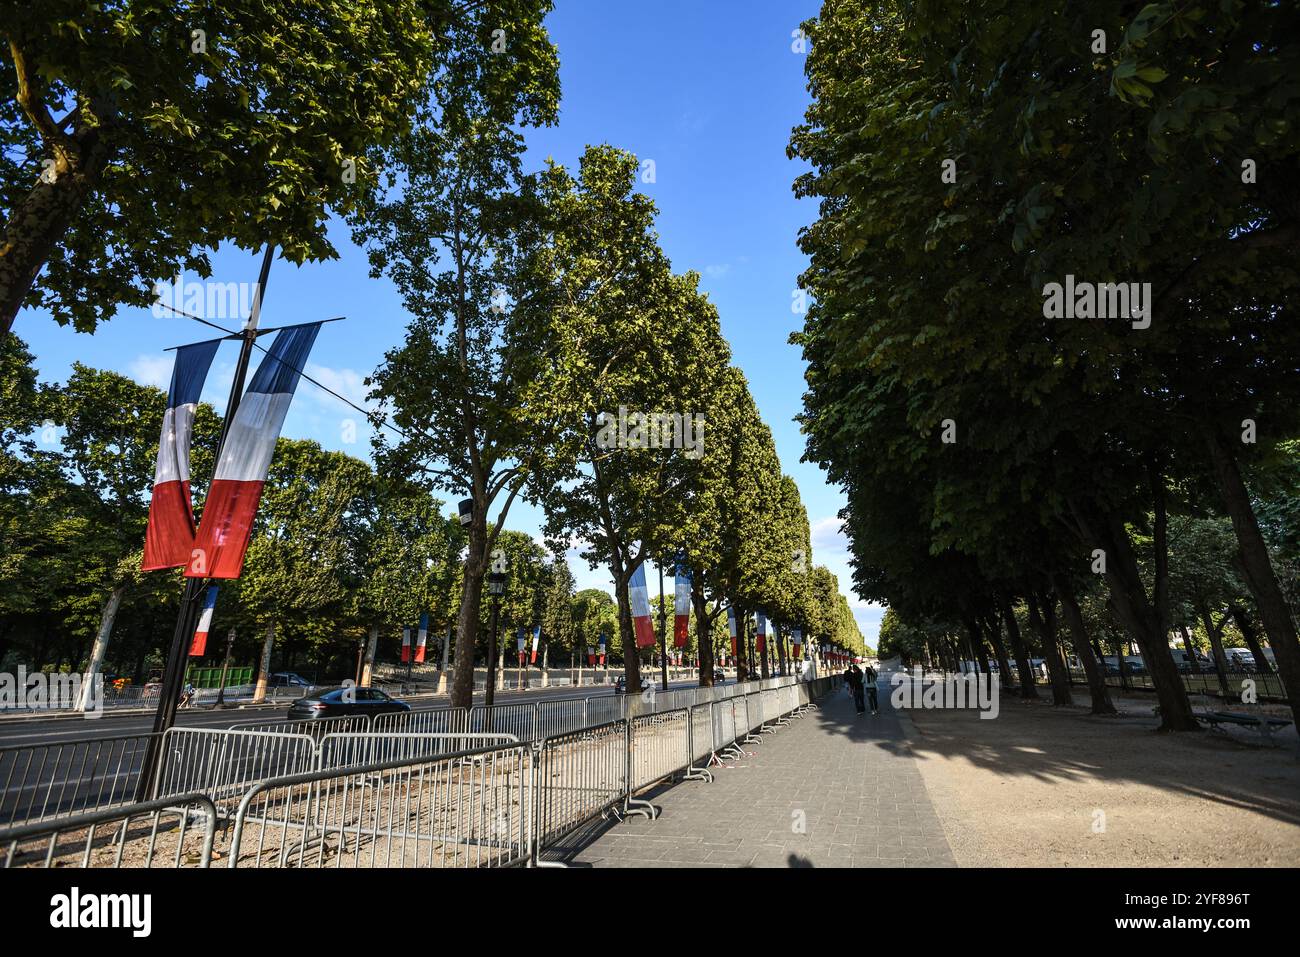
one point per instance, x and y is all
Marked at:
(849, 779)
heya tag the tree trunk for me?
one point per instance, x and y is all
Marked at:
(1216, 645)
(1193, 662)
(1044, 622)
(703, 632)
(1258, 566)
(264, 668)
(467, 621)
(999, 649)
(368, 665)
(1028, 687)
(1101, 703)
(106, 620)
(44, 215)
(1139, 618)
(627, 633)
(1247, 629)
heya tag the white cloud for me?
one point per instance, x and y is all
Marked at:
(152, 370)
(348, 383)
(717, 270)
(827, 537)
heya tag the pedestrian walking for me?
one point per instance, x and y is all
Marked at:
(854, 677)
(869, 679)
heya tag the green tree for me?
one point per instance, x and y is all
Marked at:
(241, 123)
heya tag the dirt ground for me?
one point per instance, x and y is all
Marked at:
(1044, 786)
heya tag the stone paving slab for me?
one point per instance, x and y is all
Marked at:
(832, 789)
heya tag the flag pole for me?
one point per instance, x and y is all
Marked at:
(188, 616)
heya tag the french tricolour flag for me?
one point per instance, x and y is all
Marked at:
(236, 490)
(537, 640)
(406, 643)
(731, 627)
(760, 641)
(200, 643)
(796, 639)
(681, 604)
(169, 539)
(423, 637)
(640, 596)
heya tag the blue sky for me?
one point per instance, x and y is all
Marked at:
(709, 92)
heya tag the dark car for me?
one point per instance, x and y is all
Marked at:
(287, 679)
(719, 676)
(332, 702)
(620, 686)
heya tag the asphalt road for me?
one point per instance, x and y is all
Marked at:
(34, 731)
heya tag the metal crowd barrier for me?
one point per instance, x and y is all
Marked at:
(44, 781)
(578, 776)
(315, 727)
(176, 831)
(462, 810)
(337, 751)
(314, 789)
(223, 764)
(431, 721)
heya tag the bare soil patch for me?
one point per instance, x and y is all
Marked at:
(1045, 786)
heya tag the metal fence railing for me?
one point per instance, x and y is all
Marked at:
(358, 750)
(43, 781)
(467, 796)
(173, 832)
(461, 810)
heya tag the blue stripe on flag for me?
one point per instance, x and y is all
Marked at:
(281, 368)
(190, 371)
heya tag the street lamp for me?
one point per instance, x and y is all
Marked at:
(496, 588)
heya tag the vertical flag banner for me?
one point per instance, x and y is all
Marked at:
(423, 637)
(591, 656)
(200, 643)
(537, 640)
(406, 643)
(602, 649)
(640, 596)
(246, 456)
(760, 640)
(681, 603)
(796, 640)
(520, 643)
(169, 537)
(731, 626)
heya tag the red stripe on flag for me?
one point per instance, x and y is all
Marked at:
(645, 632)
(681, 627)
(169, 539)
(223, 534)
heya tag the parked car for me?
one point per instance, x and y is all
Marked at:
(1136, 666)
(1183, 661)
(287, 679)
(719, 676)
(1240, 659)
(620, 686)
(333, 702)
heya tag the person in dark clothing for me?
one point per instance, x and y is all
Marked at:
(869, 679)
(854, 677)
